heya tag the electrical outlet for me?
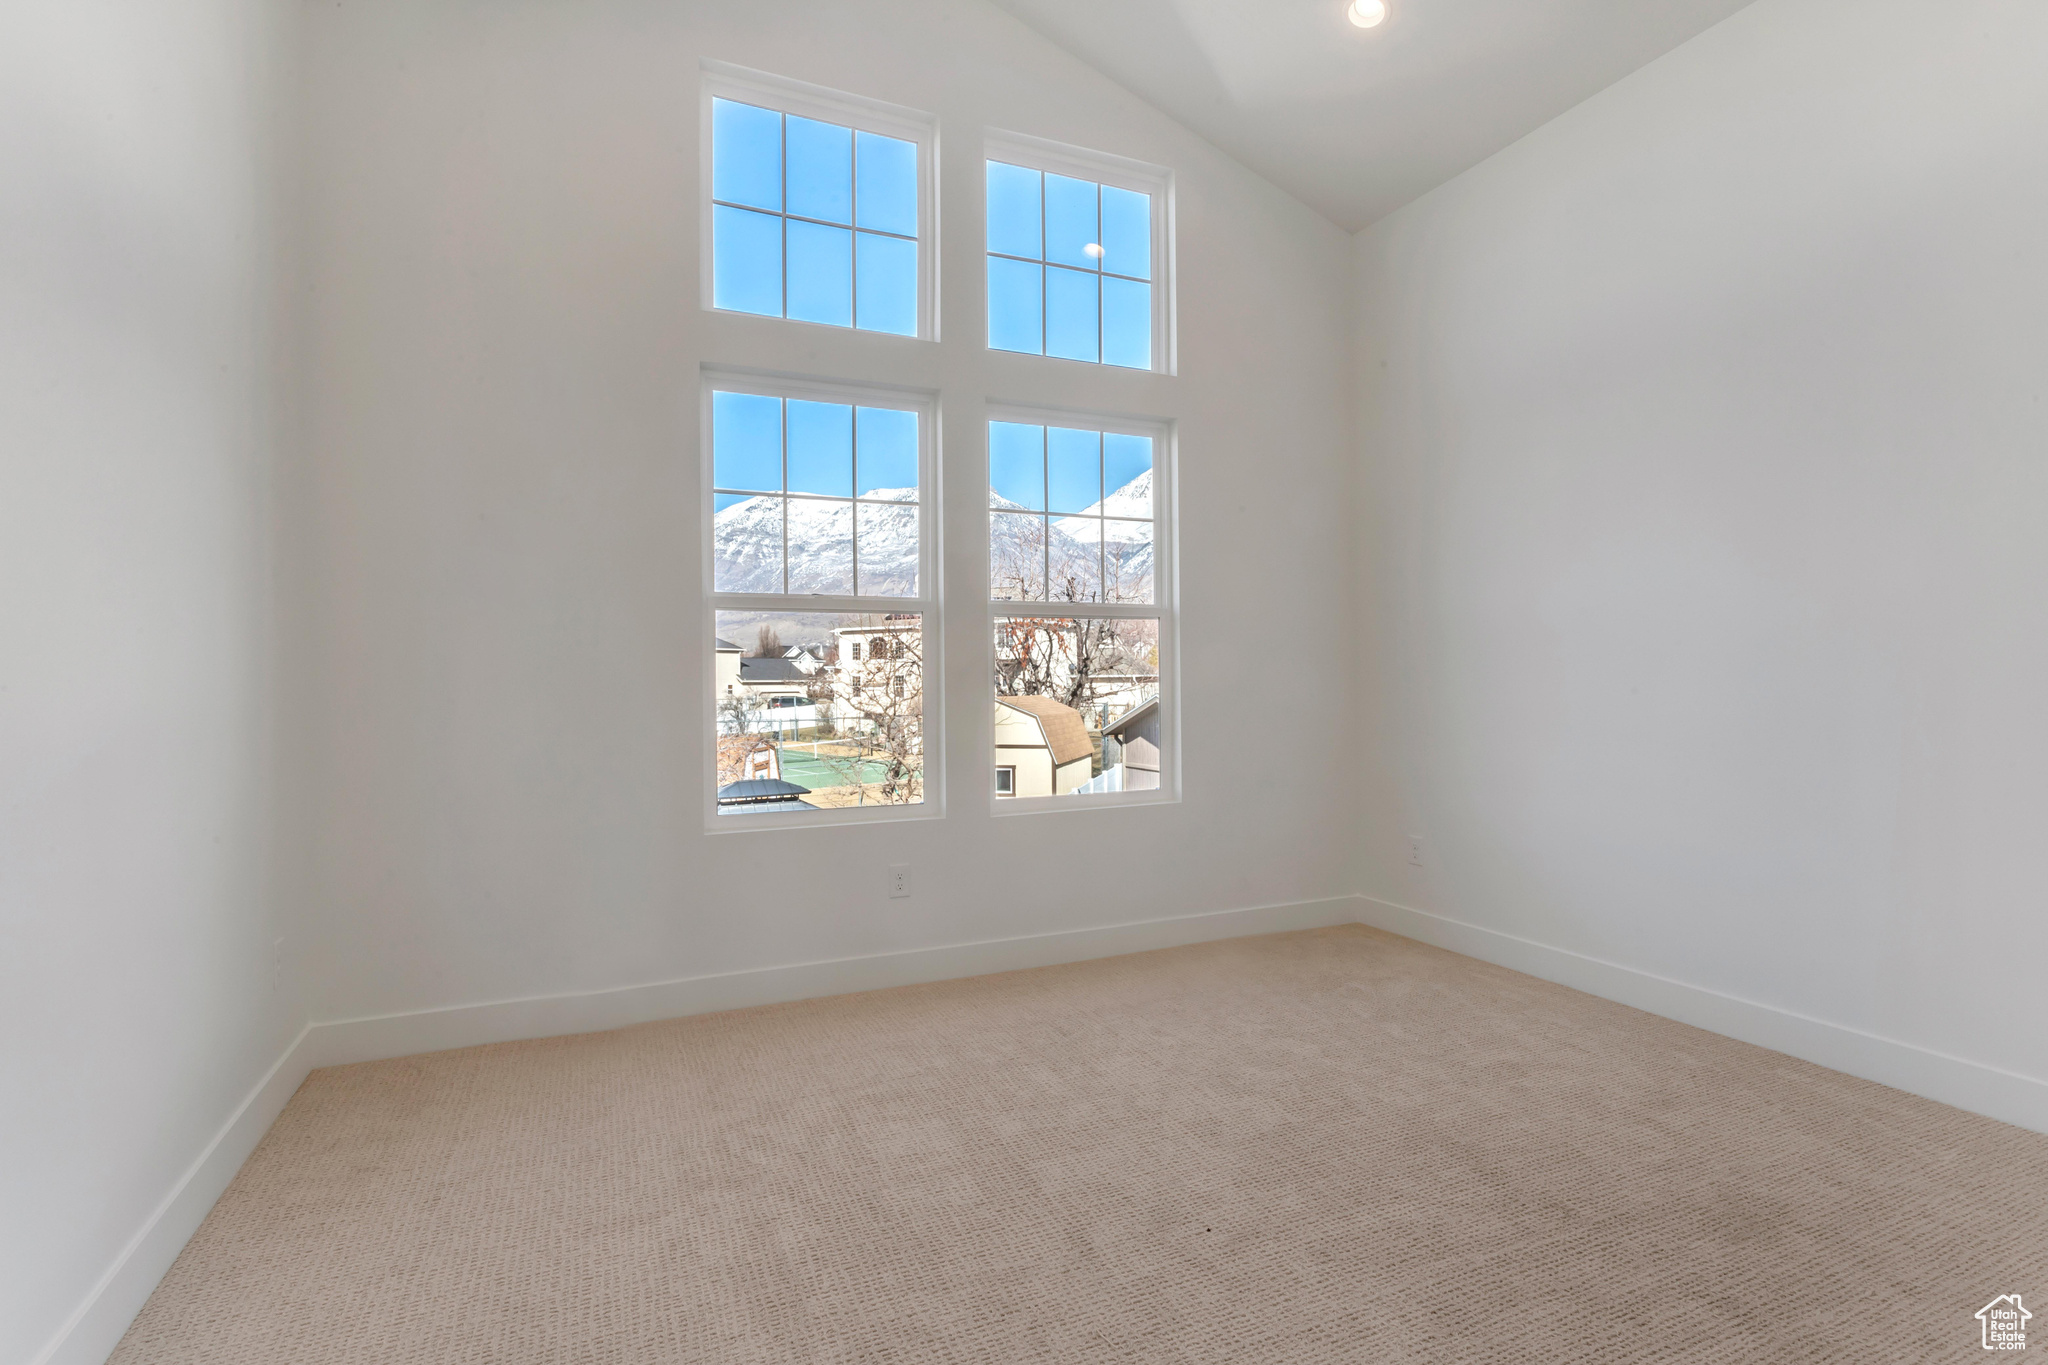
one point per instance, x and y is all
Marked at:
(899, 881)
(1415, 850)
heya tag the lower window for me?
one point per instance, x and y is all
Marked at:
(1077, 705)
(819, 711)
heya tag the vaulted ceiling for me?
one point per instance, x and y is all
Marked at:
(1357, 122)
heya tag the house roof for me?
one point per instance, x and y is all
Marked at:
(1065, 732)
(721, 643)
(772, 670)
(1132, 718)
(756, 789)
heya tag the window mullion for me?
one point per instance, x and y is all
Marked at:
(1045, 510)
(782, 408)
(1100, 354)
(782, 127)
(853, 269)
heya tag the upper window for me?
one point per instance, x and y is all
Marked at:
(1076, 248)
(817, 206)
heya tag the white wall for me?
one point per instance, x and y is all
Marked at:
(137, 1007)
(504, 646)
(1705, 459)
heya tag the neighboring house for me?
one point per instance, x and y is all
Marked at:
(760, 796)
(879, 672)
(766, 679)
(1131, 742)
(896, 638)
(726, 671)
(810, 658)
(776, 677)
(1042, 748)
(779, 692)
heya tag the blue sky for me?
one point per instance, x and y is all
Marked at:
(1061, 469)
(834, 449)
(813, 221)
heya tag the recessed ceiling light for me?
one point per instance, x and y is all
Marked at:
(1367, 13)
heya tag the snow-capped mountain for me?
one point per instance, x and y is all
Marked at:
(1134, 499)
(747, 546)
(1127, 544)
(748, 540)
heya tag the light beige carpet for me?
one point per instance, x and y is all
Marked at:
(1333, 1146)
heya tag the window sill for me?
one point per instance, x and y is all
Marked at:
(823, 818)
(1062, 805)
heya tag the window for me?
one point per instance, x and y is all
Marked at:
(1076, 254)
(1081, 609)
(821, 550)
(1070, 513)
(817, 205)
(821, 553)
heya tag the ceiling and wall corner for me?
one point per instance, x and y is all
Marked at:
(1357, 122)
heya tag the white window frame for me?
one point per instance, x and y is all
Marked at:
(1104, 168)
(926, 604)
(1164, 607)
(723, 80)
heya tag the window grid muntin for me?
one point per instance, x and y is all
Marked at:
(1046, 516)
(851, 227)
(848, 398)
(1045, 263)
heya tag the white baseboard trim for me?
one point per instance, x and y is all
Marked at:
(96, 1327)
(1981, 1089)
(550, 1016)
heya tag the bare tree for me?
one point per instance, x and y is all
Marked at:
(1017, 553)
(1073, 570)
(881, 697)
(1075, 661)
(768, 645)
(738, 714)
